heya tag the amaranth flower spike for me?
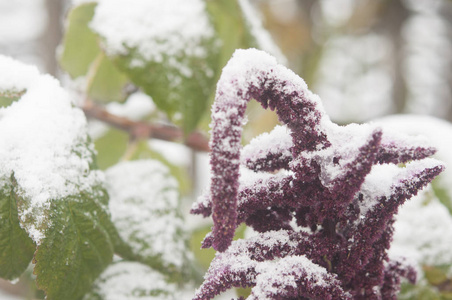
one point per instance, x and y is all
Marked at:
(342, 185)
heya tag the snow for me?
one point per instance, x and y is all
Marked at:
(249, 178)
(288, 271)
(438, 134)
(155, 28)
(384, 179)
(377, 184)
(244, 66)
(420, 230)
(421, 233)
(277, 141)
(15, 76)
(44, 143)
(246, 262)
(236, 258)
(245, 70)
(133, 281)
(345, 141)
(144, 203)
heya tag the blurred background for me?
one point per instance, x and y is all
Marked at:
(365, 58)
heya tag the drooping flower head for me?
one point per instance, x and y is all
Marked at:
(343, 184)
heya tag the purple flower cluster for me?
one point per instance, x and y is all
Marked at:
(321, 197)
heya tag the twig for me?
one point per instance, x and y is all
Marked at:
(141, 130)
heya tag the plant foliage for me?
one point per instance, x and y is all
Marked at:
(343, 184)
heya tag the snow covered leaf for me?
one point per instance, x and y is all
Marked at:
(167, 48)
(14, 79)
(133, 281)
(47, 161)
(144, 203)
(187, 41)
(77, 246)
(81, 56)
(16, 247)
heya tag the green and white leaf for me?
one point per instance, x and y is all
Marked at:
(48, 171)
(133, 281)
(76, 248)
(144, 205)
(168, 48)
(174, 50)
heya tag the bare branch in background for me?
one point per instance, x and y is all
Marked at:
(140, 129)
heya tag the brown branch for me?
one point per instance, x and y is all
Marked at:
(143, 130)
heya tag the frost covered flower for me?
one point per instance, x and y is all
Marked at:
(321, 197)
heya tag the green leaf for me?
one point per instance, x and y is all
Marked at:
(182, 96)
(111, 147)
(231, 28)
(8, 97)
(80, 46)
(7, 101)
(76, 248)
(16, 247)
(82, 56)
(107, 84)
